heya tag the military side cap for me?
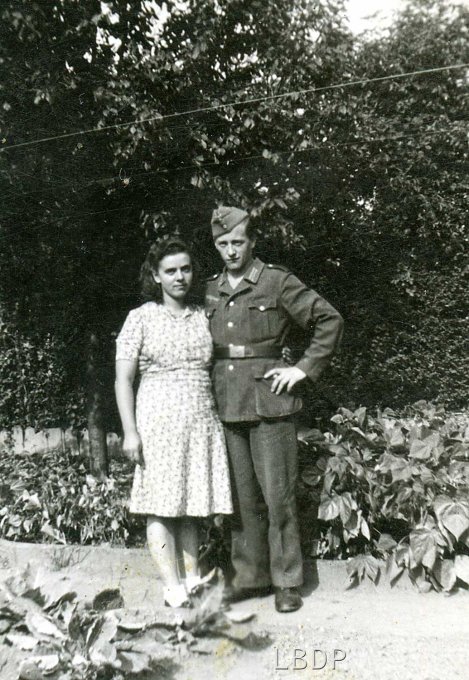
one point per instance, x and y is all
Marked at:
(225, 220)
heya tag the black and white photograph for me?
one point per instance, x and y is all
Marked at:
(234, 322)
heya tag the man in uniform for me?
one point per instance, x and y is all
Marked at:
(251, 306)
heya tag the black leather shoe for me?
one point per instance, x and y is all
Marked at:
(287, 600)
(231, 594)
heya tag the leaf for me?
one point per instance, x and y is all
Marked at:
(353, 523)
(79, 660)
(53, 588)
(419, 577)
(147, 644)
(253, 641)
(456, 521)
(197, 181)
(329, 479)
(365, 529)
(99, 638)
(360, 432)
(402, 556)
(363, 565)
(396, 437)
(281, 203)
(385, 543)
(239, 616)
(453, 515)
(33, 502)
(445, 573)
(26, 642)
(310, 477)
(207, 606)
(329, 509)
(42, 627)
(205, 646)
(312, 436)
(423, 449)
(108, 599)
(393, 570)
(346, 506)
(134, 662)
(337, 465)
(423, 545)
(5, 625)
(461, 566)
(131, 625)
(57, 535)
(37, 667)
(360, 415)
(398, 467)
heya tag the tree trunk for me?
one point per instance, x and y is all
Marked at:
(96, 429)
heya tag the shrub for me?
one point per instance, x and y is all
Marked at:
(35, 389)
(392, 487)
(51, 498)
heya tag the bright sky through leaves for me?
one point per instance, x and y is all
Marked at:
(369, 14)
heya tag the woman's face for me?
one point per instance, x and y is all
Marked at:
(175, 275)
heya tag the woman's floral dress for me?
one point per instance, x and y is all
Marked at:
(186, 466)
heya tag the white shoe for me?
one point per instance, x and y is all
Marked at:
(192, 582)
(175, 596)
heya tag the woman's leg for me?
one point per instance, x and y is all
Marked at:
(161, 537)
(188, 546)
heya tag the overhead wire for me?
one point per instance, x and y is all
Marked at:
(216, 107)
(167, 171)
(195, 168)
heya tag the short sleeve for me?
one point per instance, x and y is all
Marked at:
(130, 339)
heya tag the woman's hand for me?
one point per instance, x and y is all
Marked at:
(132, 448)
(287, 355)
(285, 377)
(144, 363)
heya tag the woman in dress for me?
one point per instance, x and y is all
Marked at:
(171, 429)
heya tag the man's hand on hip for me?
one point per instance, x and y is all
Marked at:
(285, 377)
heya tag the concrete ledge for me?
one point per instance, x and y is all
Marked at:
(119, 564)
(31, 441)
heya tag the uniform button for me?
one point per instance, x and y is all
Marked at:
(231, 304)
(231, 367)
(262, 308)
(230, 324)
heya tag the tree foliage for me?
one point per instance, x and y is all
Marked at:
(360, 189)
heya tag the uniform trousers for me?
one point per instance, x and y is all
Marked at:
(265, 544)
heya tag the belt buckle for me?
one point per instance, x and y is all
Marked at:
(237, 351)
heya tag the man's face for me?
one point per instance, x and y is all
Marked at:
(236, 248)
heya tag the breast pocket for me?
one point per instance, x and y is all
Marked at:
(263, 319)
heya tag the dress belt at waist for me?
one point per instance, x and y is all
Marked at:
(247, 352)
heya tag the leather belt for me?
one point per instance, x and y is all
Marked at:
(247, 352)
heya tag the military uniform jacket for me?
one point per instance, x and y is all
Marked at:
(259, 312)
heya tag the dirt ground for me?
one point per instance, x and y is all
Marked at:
(365, 633)
(381, 635)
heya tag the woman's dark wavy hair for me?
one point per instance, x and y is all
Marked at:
(151, 291)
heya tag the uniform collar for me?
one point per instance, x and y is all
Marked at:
(252, 274)
(255, 270)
